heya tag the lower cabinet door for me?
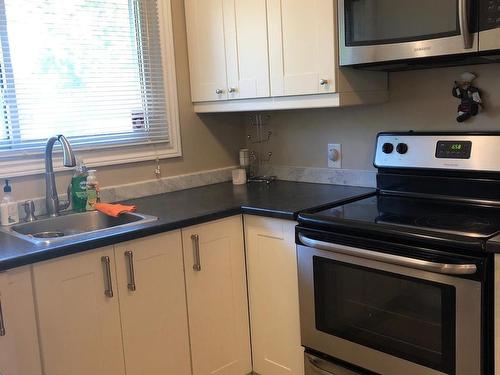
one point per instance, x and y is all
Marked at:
(214, 260)
(153, 305)
(274, 296)
(19, 351)
(79, 315)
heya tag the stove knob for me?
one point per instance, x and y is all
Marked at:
(402, 148)
(387, 148)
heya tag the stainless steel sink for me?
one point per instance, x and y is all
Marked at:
(75, 225)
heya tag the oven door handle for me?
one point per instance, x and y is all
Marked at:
(463, 16)
(442, 268)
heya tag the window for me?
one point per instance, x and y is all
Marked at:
(96, 71)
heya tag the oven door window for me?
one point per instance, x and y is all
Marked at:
(371, 22)
(409, 318)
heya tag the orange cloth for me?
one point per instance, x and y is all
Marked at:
(114, 210)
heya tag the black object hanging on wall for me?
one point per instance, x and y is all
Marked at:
(469, 95)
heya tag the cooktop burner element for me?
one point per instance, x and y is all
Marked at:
(433, 215)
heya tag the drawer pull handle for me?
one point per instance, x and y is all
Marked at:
(2, 323)
(131, 272)
(196, 252)
(108, 282)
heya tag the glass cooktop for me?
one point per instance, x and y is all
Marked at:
(427, 214)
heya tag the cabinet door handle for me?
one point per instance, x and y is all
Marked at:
(323, 82)
(108, 282)
(2, 323)
(131, 273)
(219, 92)
(196, 252)
(232, 90)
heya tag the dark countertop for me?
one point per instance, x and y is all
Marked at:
(281, 199)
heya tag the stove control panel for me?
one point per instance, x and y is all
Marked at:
(453, 151)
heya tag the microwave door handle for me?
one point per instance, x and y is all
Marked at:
(463, 16)
(441, 268)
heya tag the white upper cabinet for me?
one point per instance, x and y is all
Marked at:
(214, 259)
(19, 351)
(272, 55)
(247, 56)
(302, 40)
(207, 54)
(227, 42)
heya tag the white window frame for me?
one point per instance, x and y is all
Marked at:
(29, 164)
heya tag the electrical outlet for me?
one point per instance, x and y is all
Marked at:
(335, 156)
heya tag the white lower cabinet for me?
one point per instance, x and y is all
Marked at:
(214, 260)
(79, 325)
(173, 303)
(153, 305)
(274, 296)
(92, 321)
(19, 350)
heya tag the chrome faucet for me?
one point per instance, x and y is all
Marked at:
(69, 160)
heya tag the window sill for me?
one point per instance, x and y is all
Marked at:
(34, 165)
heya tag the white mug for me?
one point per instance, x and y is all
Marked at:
(239, 176)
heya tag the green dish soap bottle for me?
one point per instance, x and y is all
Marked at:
(79, 188)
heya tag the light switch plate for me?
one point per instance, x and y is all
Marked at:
(335, 156)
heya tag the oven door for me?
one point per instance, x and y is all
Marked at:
(387, 317)
(386, 30)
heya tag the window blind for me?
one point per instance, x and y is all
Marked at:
(89, 69)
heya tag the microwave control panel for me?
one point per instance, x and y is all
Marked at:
(490, 14)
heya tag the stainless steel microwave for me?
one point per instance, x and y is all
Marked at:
(374, 31)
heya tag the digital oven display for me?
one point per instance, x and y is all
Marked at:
(453, 149)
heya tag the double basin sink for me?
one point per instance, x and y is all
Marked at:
(76, 225)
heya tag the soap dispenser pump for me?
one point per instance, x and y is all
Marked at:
(9, 213)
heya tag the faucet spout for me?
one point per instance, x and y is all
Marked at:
(69, 160)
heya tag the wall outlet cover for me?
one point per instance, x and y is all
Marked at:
(335, 156)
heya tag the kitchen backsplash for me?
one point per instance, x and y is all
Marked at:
(322, 175)
(148, 187)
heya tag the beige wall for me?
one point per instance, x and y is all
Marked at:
(208, 142)
(420, 100)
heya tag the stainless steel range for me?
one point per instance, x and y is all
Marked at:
(400, 282)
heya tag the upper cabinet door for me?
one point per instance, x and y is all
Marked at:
(19, 351)
(153, 305)
(79, 315)
(302, 45)
(246, 48)
(214, 261)
(206, 45)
